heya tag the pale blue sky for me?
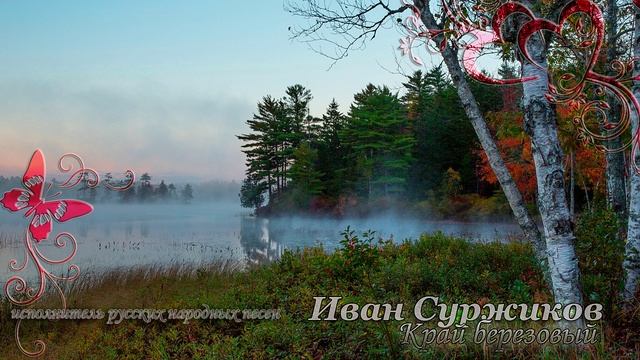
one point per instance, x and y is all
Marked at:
(160, 86)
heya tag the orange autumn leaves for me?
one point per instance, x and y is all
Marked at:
(515, 148)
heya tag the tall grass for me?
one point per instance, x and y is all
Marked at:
(361, 270)
(8, 239)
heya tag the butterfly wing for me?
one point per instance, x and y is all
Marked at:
(16, 199)
(33, 181)
(64, 210)
(59, 210)
(33, 178)
(44, 212)
(41, 224)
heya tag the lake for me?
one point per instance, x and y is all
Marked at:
(122, 236)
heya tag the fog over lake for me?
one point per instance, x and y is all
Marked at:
(118, 236)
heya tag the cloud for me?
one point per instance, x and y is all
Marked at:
(149, 131)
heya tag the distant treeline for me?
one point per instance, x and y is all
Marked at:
(413, 146)
(144, 191)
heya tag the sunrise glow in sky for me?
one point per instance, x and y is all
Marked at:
(159, 86)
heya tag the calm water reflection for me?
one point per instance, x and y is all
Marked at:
(118, 236)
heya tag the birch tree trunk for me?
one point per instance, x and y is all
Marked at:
(616, 189)
(540, 124)
(632, 249)
(472, 110)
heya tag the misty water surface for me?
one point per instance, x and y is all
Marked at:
(123, 236)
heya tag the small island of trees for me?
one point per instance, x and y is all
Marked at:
(411, 149)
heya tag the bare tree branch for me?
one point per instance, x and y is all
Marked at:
(351, 23)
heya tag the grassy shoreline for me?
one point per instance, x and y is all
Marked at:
(362, 271)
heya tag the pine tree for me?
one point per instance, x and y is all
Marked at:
(263, 146)
(444, 137)
(172, 191)
(333, 122)
(187, 194)
(163, 191)
(145, 192)
(379, 135)
(415, 99)
(436, 80)
(332, 153)
(303, 125)
(277, 130)
(305, 178)
(251, 194)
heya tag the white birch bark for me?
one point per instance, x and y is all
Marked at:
(541, 125)
(632, 248)
(616, 189)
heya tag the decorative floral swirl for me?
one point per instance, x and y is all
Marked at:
(568, 89)
(17, 289)
(20, 293)
(40, 345)
(126, 184)
(89, 176)
(416, 30)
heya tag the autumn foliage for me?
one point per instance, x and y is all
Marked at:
(515, 148)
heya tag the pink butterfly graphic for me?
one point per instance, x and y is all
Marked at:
(31, 198)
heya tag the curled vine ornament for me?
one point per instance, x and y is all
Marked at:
(43, 214)
(475, 29)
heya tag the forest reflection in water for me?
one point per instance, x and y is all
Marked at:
(120, 237)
